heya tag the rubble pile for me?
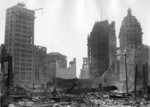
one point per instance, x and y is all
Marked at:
(104, 100)
(86, 99)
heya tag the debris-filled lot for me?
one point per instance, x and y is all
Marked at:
(94, 99)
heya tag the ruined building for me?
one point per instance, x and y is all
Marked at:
(51, 64)
(142, 59)
(19, 42)
(39, 71)
(67, 73)
(101, 47)
(130, 35)
(130, 53)
(84, 74)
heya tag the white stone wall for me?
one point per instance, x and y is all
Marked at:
(67, 73)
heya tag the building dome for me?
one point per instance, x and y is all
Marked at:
(130, 32)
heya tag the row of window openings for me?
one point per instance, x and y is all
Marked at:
(24, 36)
(29, 52)
(24, 27)
(20, 22)
(134, 27)
(22, 69)
(131, 39)
(20, 17)
(23, 31)
(23, 50)
(20, 31)
(23, 46)
(18, 46)
(18, 55)
(23, 56)
(24, 22)
(128, 43)
(23, 40)
(24, 73)
(18, 35)
(23, 64)
(20, 59)
(29, 28)
(9, 17)
(130, 31)
(23, 60)
(19, 40)
(23, 78)
(13, 10)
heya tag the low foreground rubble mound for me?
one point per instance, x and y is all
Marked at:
(100, 99)
(86, 99)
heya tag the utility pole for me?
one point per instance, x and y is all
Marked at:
(126, 73)
(143, 77)
(135, 78)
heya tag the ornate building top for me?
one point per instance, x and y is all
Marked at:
(130, 32)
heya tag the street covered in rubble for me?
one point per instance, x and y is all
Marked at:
(93, 99)
(99, 99)
(74, 95)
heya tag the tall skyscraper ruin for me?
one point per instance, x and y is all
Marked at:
(19, 42)
(101, 47)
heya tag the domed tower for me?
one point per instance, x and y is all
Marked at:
(130, 32)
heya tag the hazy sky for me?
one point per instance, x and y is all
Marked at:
(66, 23)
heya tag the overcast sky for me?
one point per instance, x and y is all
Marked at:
(65, 24)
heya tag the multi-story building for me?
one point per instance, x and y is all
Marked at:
(39, 58)
(131, 40)
(19, 41)
(51, 62)
(142, 59)
(130, 32)
(84, 74)
(122, 65)
(1, 76)
(55, 56)
(101, 47)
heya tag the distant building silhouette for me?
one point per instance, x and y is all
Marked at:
(51, 64)
(84, 74)
(101, 47)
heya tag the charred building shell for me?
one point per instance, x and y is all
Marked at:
(101, 47)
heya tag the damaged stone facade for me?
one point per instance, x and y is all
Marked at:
(67, 73)
(116, 74)
(52, 62)
(39, 71)
(142, 59)
(101, 47)
(137, 54)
